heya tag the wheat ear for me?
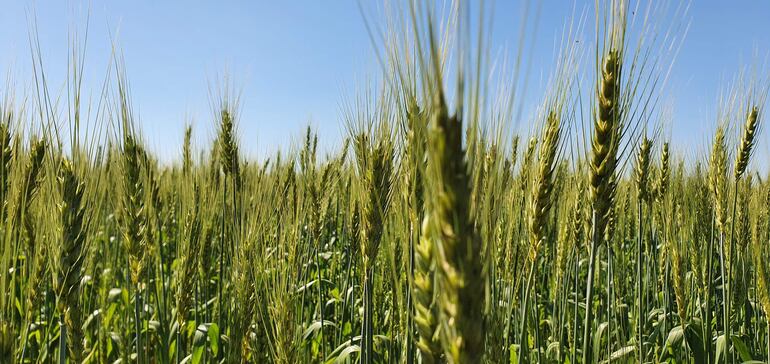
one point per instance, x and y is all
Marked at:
(72, 233)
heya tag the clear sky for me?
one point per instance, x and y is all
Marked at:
(296, 61)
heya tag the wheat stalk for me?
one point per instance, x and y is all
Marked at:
(375, 168)
(540, 204)
(602, 177)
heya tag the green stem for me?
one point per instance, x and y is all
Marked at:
(725, 290)
(367, 340)
(575, 323)
(587, 325)
(137, 323)
(733, 258)
(707, 325)
(62, 340)
(524, 346)
(639, 283)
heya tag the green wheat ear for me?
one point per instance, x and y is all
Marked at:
(605, 142)
(602, 178)
(187, 151)
(426, 309)
(541, 191)
(718, 177)
(67, 280)
(228, 147)
(760, 257)
(457, 243)
(642, 170)
(665, 174)
(747, 142)
(133, 209)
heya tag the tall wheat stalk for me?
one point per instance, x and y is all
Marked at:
(375, 166)
(603, 181)
(540, 205)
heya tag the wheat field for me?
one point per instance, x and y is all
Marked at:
(432, 234)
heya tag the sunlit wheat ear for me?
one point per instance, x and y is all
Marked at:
(188, 258)
(187, 151)
(679, 271)
(642, 169)
(132, 208)
(228, 147)
(602, 178)
(605, 142)
(577, 220)
(36, 254)
(540, 202)
(375, 162)
(71, 248)
(759, 247)
(697, 243)
(747, 142)
(6, 156)
(461, 287)
(514, 152)
(30, 187)
(426, 309)
(529, 156)
(744, 213)
(423, 286)
(375, 168)
(718, 177)
(661, 186)
(563, 248)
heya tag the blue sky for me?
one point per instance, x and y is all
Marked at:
(297, 61)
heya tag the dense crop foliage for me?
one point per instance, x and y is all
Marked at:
(425, 238)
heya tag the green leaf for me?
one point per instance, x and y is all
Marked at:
(197, 354)
(742, 349)
(721, 348)
(514, 359)
(315, 327)
(214, 338)
(199, 343)
(675, 337)
(692, 334)
(598, 335)
(621, 353)
(343, 357)
(200, 335)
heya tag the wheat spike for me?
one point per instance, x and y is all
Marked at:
(665, 174)
(540, 203)
(228, 149)
(426, 309)
(461, 282)
(602, 178)
(747, 143)
(718, 177)
(133, 209)
(72, 245)
(642, 170)
(605, 143)
(187, 151)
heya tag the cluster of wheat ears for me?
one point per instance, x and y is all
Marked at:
(433, 241)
